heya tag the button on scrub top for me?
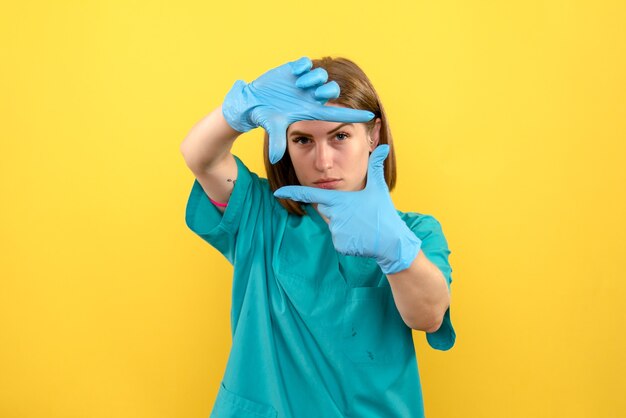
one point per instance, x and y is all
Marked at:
(314, 333)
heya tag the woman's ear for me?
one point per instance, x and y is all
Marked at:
(374, 135)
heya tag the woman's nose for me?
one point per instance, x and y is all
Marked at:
(323, 156)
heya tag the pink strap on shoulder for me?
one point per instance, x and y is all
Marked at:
(221, 205)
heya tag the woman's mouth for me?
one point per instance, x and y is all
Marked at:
(327, 183)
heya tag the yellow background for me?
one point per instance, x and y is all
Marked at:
(510, 123)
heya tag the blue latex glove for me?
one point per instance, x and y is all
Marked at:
(282, 96)
(364, 223)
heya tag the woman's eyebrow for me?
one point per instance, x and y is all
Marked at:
(328, 133)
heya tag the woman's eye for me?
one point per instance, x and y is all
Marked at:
(303, 140)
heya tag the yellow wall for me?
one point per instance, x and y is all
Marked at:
(510, 124)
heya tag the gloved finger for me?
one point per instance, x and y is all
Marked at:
(325, 210)
(277, 131)
(307, 194)
(375, 166)
(327, 91)
(341, 114)
(301, 66)
(313, 78)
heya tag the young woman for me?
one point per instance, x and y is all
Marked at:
(329, 278)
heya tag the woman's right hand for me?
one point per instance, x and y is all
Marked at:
(282, 96)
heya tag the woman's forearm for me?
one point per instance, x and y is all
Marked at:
(208, 142)
(421, 294)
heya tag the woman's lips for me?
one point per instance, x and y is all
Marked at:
(331, 184)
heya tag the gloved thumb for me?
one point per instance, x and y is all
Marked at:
(375, 167)
(277, 131)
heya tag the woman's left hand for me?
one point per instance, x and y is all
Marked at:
(364, 223)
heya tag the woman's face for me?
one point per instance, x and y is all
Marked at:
(331, 155)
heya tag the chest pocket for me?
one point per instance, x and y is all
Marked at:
(308, 275)
(373, 331)
(306, 268)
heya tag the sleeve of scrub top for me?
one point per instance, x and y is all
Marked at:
(435, 248)
(217, 228)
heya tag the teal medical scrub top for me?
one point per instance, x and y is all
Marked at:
(314, 333)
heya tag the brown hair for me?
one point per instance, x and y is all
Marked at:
(357, 92)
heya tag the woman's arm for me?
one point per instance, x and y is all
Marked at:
(421, 294)
(206, 150)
